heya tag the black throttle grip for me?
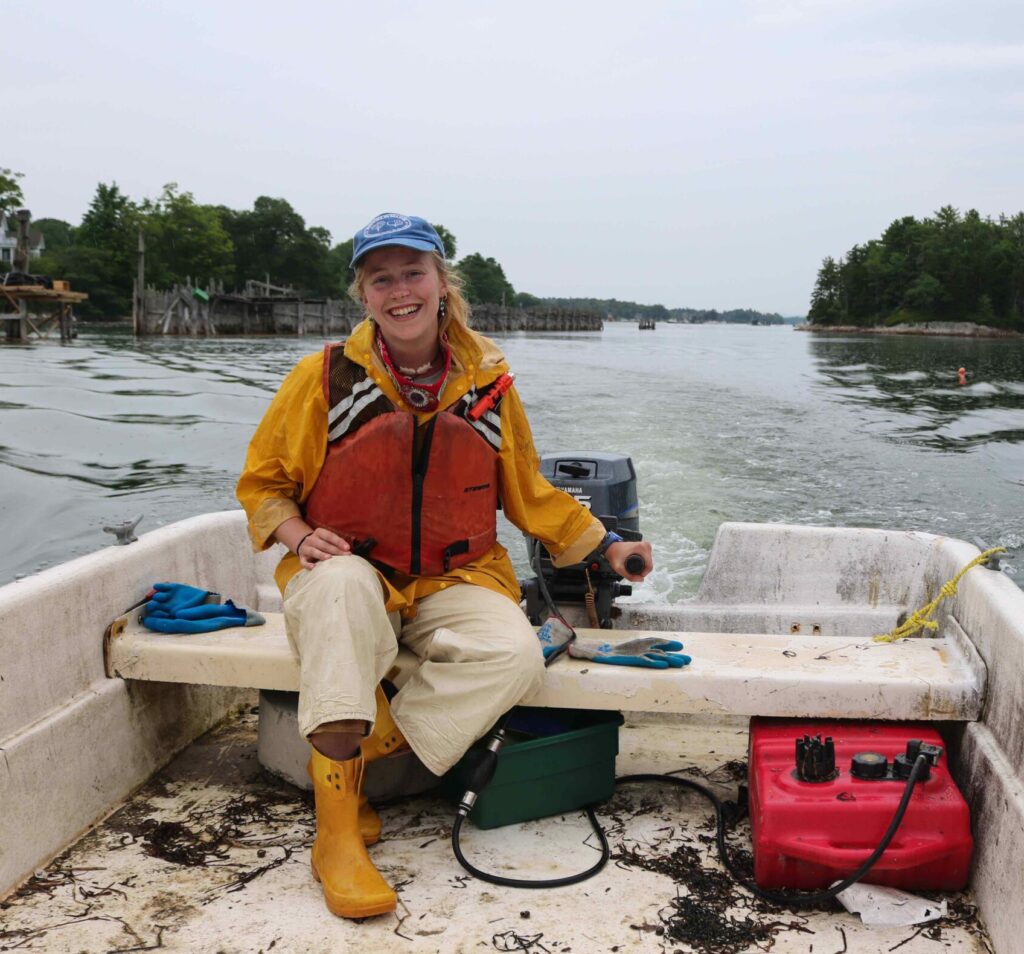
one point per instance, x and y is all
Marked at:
(635, 564)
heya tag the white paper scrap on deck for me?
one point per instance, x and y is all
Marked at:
(879, 906)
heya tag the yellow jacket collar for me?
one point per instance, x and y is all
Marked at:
(472, 353)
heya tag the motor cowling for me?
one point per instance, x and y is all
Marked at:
(606, 485)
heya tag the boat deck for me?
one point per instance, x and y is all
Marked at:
(212, 855)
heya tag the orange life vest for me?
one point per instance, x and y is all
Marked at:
(422, 507)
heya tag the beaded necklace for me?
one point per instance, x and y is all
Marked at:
(421, 397)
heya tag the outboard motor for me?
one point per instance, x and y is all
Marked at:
(606, 485)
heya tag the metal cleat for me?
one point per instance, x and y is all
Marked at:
(994, 562)
(125, 532)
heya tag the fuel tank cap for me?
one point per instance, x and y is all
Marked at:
(869, 765)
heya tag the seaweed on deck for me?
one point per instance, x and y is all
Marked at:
(713, 914)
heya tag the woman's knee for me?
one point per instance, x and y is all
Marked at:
(334, 578)
(336, 608)
(345, 571)
(527, 656)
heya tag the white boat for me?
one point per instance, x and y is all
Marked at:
(211, 856)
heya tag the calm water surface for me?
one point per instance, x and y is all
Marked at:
(723, 423)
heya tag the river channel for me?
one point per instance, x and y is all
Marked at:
(723, 422)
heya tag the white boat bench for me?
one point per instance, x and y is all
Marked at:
(739, 674)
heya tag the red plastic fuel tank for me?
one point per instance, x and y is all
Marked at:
(810, 834)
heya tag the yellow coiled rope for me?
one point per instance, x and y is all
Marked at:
(921, 619)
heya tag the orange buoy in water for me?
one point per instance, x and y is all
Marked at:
(961, 375)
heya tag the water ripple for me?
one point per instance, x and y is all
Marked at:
(722, 422)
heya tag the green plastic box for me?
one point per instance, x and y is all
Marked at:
(555, 760)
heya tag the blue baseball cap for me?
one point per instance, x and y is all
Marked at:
(394, 229)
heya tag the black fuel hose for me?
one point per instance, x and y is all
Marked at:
(481, 775)
(541, 582)
(606, 853)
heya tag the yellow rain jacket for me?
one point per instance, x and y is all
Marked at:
(289, 447)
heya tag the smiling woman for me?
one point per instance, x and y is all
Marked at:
(379, 465)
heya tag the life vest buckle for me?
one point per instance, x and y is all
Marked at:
(454, 549)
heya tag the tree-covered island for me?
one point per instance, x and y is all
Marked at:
(190, 241)
(946, 268)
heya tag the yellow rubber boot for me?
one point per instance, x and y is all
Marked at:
(386, 738)
(353, 887)
(369, 820)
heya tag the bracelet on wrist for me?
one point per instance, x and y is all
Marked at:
(298, 546)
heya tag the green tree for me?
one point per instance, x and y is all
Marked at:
(11, 196)
(91, 270)
(926, 295)
(102, 259)
(185, 240)
(526, 300)
(611, 307)
(110, 221)
(826, 308)
(56, 232)
(1013, 237)
(485, 281)
(339, 269)
(448, 239)
(950, 266)
(272, 239)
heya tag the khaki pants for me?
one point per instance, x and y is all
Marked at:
(478, 656)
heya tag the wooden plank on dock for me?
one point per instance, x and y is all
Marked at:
(38, 293)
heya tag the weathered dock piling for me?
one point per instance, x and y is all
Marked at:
(265, 309)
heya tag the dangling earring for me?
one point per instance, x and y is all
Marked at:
(442, 307)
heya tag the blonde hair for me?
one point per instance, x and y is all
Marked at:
(456, 306)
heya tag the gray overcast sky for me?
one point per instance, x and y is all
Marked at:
(704, 154)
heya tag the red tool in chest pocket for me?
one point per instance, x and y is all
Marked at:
(823, 793)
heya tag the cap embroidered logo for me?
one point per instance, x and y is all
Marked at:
(387, 224)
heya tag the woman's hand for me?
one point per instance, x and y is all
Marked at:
(319, 545)
(312, 546)
(618, 553)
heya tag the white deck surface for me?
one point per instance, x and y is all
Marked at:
(117, 890)
(731, 673)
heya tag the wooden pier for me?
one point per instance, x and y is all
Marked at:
(52, 308)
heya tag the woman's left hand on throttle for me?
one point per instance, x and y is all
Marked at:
(320, 545)
(618, 553)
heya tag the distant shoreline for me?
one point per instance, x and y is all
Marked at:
(949, 329)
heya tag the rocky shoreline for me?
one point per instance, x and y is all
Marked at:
(954, 329)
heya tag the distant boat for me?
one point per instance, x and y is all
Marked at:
(646, 324)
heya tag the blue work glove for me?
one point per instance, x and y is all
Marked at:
(553, 635)
(651, 652)
(204, 619)
(177, 608)
(170, 598)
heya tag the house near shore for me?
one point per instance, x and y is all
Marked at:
(9, 242)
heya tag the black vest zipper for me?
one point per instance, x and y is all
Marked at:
(420, 463)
